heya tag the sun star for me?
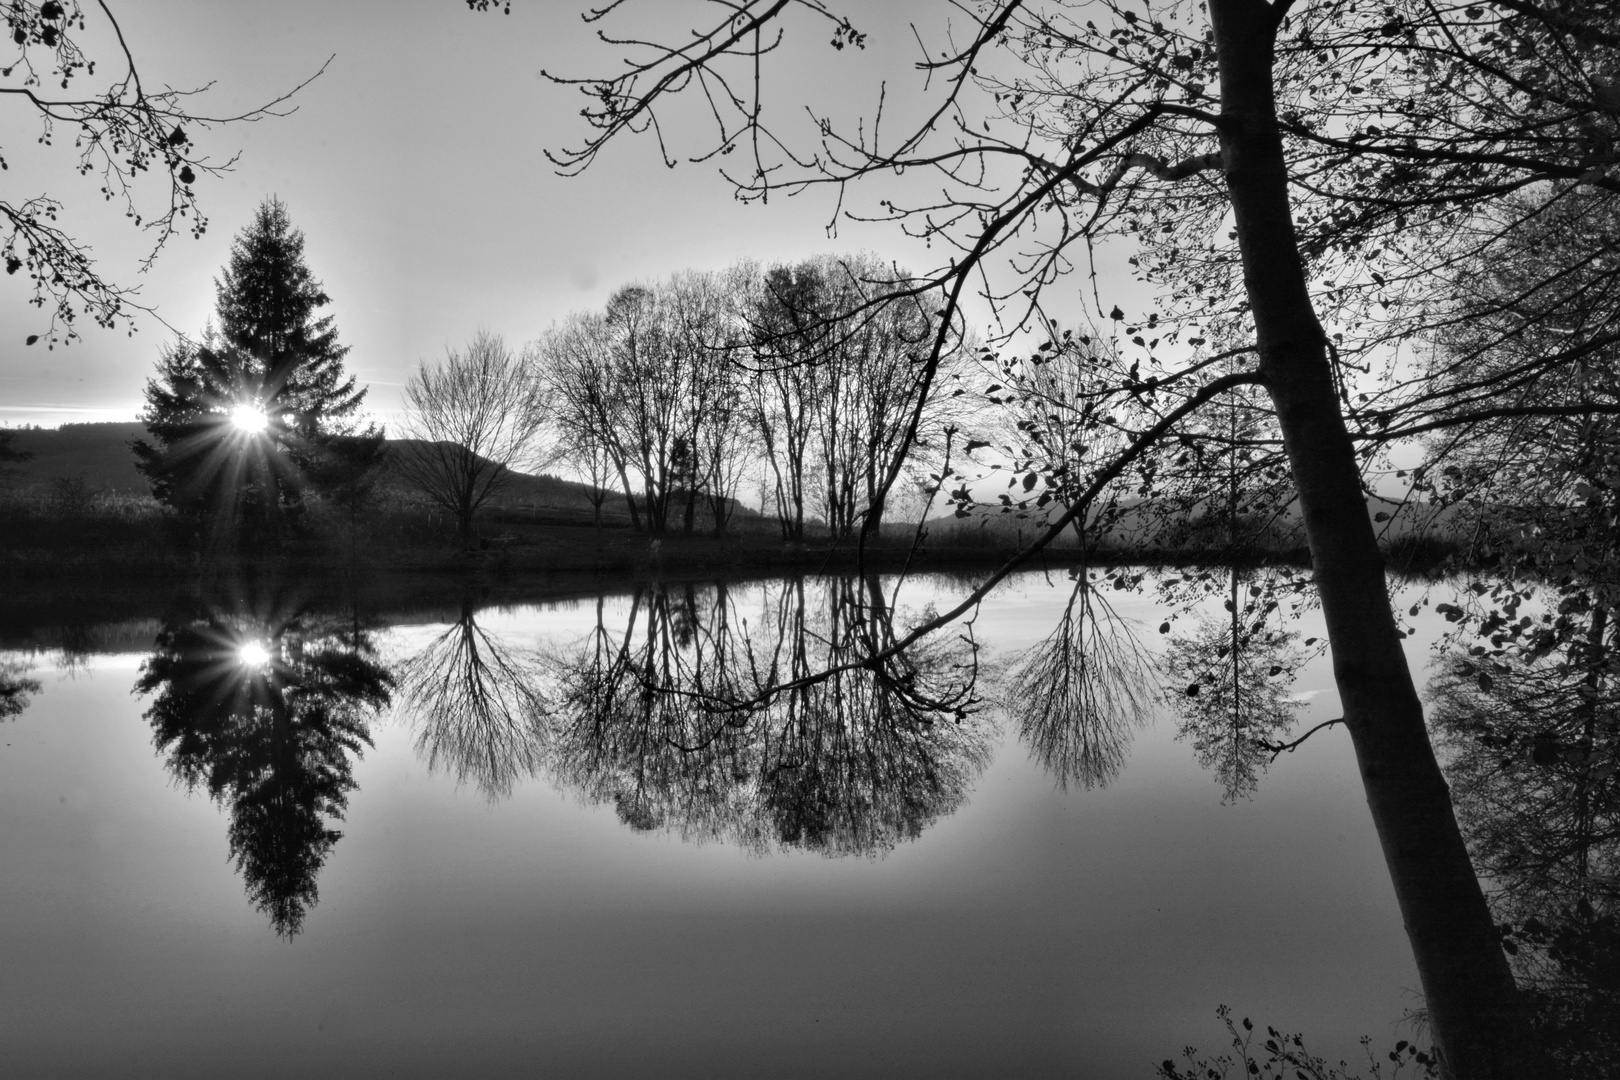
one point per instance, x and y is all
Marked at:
(249, 418)
(253, 654)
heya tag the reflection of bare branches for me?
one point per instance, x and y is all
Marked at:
(699, 721)
(1231, 681)
(476, 706)
(1079, 693)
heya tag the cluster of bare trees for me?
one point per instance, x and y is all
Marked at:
(1302, 186)
(808, 379)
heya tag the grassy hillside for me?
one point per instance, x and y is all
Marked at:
(100, 454)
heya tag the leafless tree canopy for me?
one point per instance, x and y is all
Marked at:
(1295, 181)
(124, 133)
(470, 420)
(811, 379)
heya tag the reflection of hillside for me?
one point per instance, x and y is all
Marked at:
(789, 728)
(267, 712)
(1532, 751)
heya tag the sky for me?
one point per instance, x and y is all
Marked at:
(415, 167)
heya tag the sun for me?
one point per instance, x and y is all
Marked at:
(253, 654)
(250, 418)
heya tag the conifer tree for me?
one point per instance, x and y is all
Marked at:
(247, 419)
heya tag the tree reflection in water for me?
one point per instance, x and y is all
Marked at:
(1080, 693)
(1229, 684)
(1531, 744)
(267, 710)
(475, 704)
(796, 729)
(16, 689)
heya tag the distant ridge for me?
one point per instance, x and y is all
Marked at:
(100, 453)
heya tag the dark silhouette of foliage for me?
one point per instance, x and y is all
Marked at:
(1292, 180)
(273, 358)
(267, 712)
(16, 689)
(10, 454)
(1283, 1056)
(129, 133)
(1532, 744)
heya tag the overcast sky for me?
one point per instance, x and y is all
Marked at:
(415, 168)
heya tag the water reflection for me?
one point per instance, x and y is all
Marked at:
(1532, 744)
(267, 711)
(476, 705)
(790, 724)
(1079, 694)
(16, 688)
(771, 715)
(1230, 683)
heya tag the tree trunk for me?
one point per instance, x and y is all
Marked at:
(629, 497)
(1474, 1008)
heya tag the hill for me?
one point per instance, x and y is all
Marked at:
(100, 454)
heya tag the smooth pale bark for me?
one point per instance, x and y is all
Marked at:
(1474, 1008)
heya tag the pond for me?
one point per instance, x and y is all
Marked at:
(267, 833)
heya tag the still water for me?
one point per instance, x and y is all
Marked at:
(640, 887)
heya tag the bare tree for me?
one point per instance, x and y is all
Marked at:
(130, 134)
(469, 420)
(595, 463)
(576, 364)
(1284, 172)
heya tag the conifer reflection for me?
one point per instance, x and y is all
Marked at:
(1079, 694)
(475, 705)
(268, 712)
(1531, 742)
(794, 727)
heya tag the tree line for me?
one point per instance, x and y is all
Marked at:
(799, 381)
(1363, 226)
(800, 385)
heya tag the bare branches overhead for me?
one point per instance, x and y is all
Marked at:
(129, 128)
